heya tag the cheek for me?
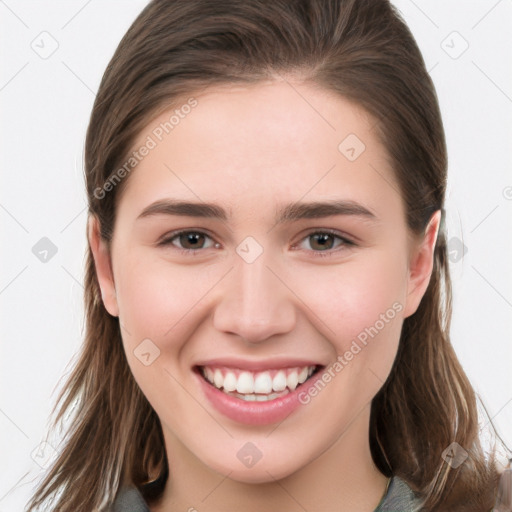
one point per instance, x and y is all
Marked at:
(156, 297)
(351, 297)
(159, 302)
(358, 308)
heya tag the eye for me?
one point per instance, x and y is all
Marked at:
(323, 243)
(189, 241)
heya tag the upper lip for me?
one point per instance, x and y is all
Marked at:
(258, 365)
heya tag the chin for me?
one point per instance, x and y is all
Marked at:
(260, 473)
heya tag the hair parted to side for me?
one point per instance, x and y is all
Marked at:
(362, 50)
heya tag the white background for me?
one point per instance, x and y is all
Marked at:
(45, 106)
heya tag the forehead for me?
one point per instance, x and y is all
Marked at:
(276, 140)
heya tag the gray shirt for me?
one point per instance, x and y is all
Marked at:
(399, 498)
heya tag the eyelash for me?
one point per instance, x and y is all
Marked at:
(327, 253)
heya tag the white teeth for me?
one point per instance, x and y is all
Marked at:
(229, 382)
(263, 383)
(292, 380)
(218, 379)
(260, 398)
(258, 386)
(279, 381)
(303, 375)
(209, 374)
(245, 383)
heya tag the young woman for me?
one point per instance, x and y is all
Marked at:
(267, 288)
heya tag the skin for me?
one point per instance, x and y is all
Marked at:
(251, 149)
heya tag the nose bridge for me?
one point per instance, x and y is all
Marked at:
(254, 303)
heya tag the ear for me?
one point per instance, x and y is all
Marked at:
(421, 262)
(103, 266)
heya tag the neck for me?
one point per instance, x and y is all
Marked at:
(343, 478)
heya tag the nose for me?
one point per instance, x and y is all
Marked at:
(255, 301)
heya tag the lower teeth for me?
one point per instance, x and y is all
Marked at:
(253, 397)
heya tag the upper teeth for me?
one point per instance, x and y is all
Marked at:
(246, 382)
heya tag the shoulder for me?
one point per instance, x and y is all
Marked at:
(399, 497)
(129, 499)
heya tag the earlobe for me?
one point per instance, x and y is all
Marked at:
(421, 264)
(103, 266)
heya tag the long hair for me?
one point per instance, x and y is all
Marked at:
(363, 51)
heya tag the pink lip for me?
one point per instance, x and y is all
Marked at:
(256, 413)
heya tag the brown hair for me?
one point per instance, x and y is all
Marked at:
(362, 50)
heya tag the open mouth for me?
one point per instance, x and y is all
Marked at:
(257, 386)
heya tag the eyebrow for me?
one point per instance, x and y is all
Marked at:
(287, 213)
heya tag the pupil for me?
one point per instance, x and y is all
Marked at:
(193, 239)
(322, 239)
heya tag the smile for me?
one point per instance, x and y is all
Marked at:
(259, 386)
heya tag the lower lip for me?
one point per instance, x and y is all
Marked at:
(252, 412)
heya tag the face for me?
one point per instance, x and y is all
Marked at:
(292, 262)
